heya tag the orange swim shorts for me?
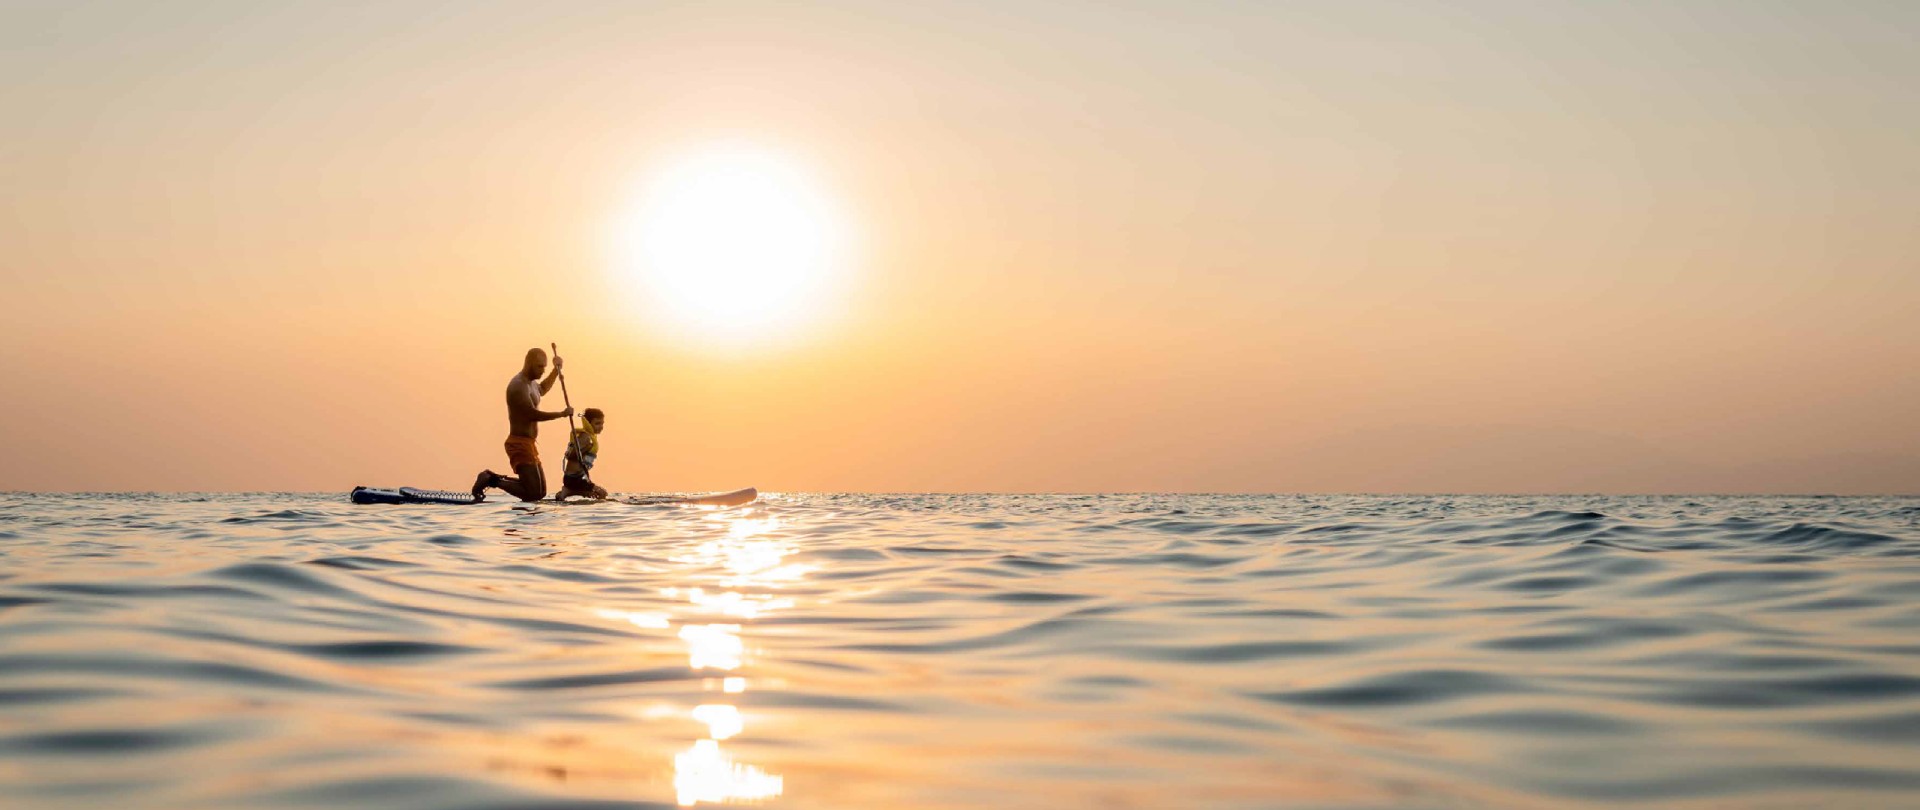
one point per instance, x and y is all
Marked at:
(521, 451)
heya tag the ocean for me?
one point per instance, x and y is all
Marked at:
(960, 651)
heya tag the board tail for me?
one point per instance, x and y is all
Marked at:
(371, 495)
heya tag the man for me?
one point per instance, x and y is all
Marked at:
(523, 419)
(583, 448)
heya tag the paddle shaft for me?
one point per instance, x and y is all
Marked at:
(571, 438)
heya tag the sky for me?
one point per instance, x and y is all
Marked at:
(1105, 246)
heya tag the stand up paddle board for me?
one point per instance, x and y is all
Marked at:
(373, 495)
(409, 495)
(734, 498)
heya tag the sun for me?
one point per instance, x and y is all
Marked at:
(732, 243)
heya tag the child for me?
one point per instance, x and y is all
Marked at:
(583, 448)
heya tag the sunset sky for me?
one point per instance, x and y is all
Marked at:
(1195, 246)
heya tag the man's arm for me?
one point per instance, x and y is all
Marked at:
(547, 384)
(532, 412)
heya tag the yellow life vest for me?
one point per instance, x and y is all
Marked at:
(586, 443)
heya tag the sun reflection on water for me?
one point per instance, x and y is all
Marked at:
(753, 559)
(704, 773)
(733, 603)
(754, 563)
(713, 646)
(651, 621)
(723, 720)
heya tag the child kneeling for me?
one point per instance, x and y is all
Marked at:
(583, 449)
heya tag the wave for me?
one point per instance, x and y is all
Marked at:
(847, 650)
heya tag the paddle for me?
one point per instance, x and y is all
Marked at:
(571, 440)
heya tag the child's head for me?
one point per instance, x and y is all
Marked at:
(598, 418)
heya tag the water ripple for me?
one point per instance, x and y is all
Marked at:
(950, 651)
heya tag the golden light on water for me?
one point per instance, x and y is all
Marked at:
(733, 603)
(723, 720)
(713, 646)
(706, 772)
(751, 558)
(732, 242)
(750, 561)
(651, 621)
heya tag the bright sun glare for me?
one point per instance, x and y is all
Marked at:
(731, 243)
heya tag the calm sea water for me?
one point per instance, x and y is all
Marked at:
(932, 651)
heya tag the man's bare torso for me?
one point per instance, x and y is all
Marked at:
(523, 401)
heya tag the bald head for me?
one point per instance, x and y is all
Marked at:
(535, 364)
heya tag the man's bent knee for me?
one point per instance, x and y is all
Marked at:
(533, 482)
